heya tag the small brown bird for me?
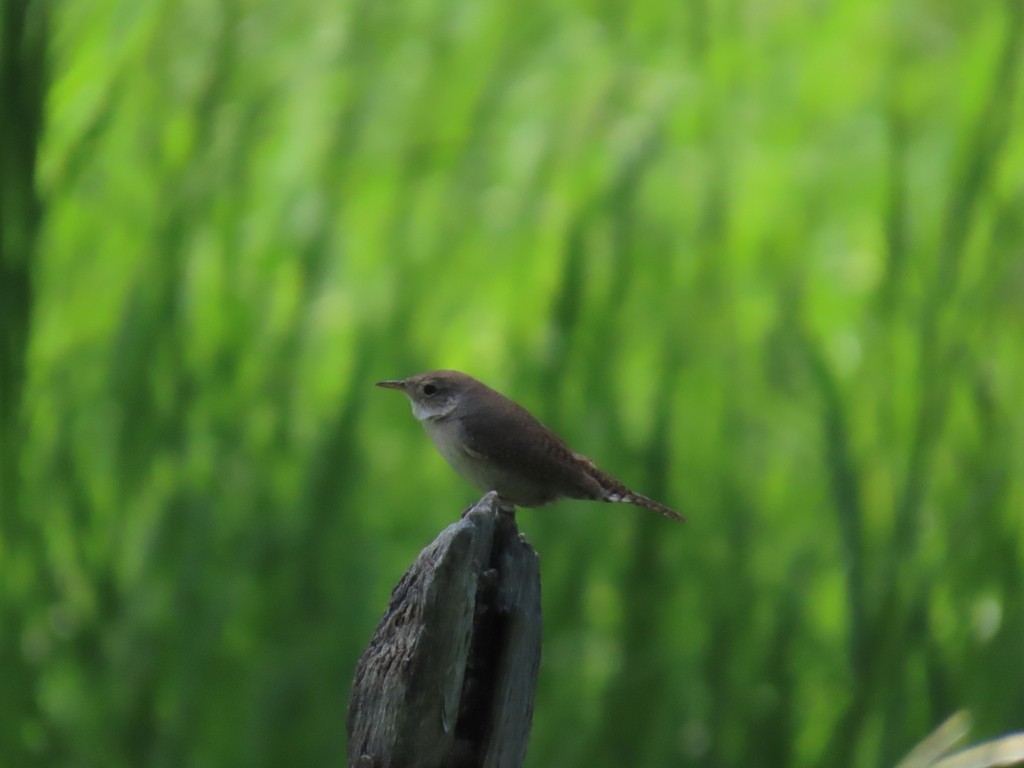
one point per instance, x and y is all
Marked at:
(497, 445)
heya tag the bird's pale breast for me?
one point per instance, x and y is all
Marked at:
(482, 473)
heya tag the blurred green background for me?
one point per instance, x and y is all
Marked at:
(762, 260)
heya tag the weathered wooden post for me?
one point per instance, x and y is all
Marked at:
(449, 676)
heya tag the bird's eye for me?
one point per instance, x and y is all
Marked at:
(429, 390)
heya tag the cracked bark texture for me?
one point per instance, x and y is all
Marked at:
(449, 676)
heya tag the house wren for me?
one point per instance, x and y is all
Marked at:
(497, 445)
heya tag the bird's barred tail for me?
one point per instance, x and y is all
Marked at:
(642, 501)
(612, 491)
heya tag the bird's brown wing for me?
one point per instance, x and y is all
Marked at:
(510, 436)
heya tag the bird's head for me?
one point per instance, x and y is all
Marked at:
(435, 394)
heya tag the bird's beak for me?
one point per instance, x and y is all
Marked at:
(393, 384)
